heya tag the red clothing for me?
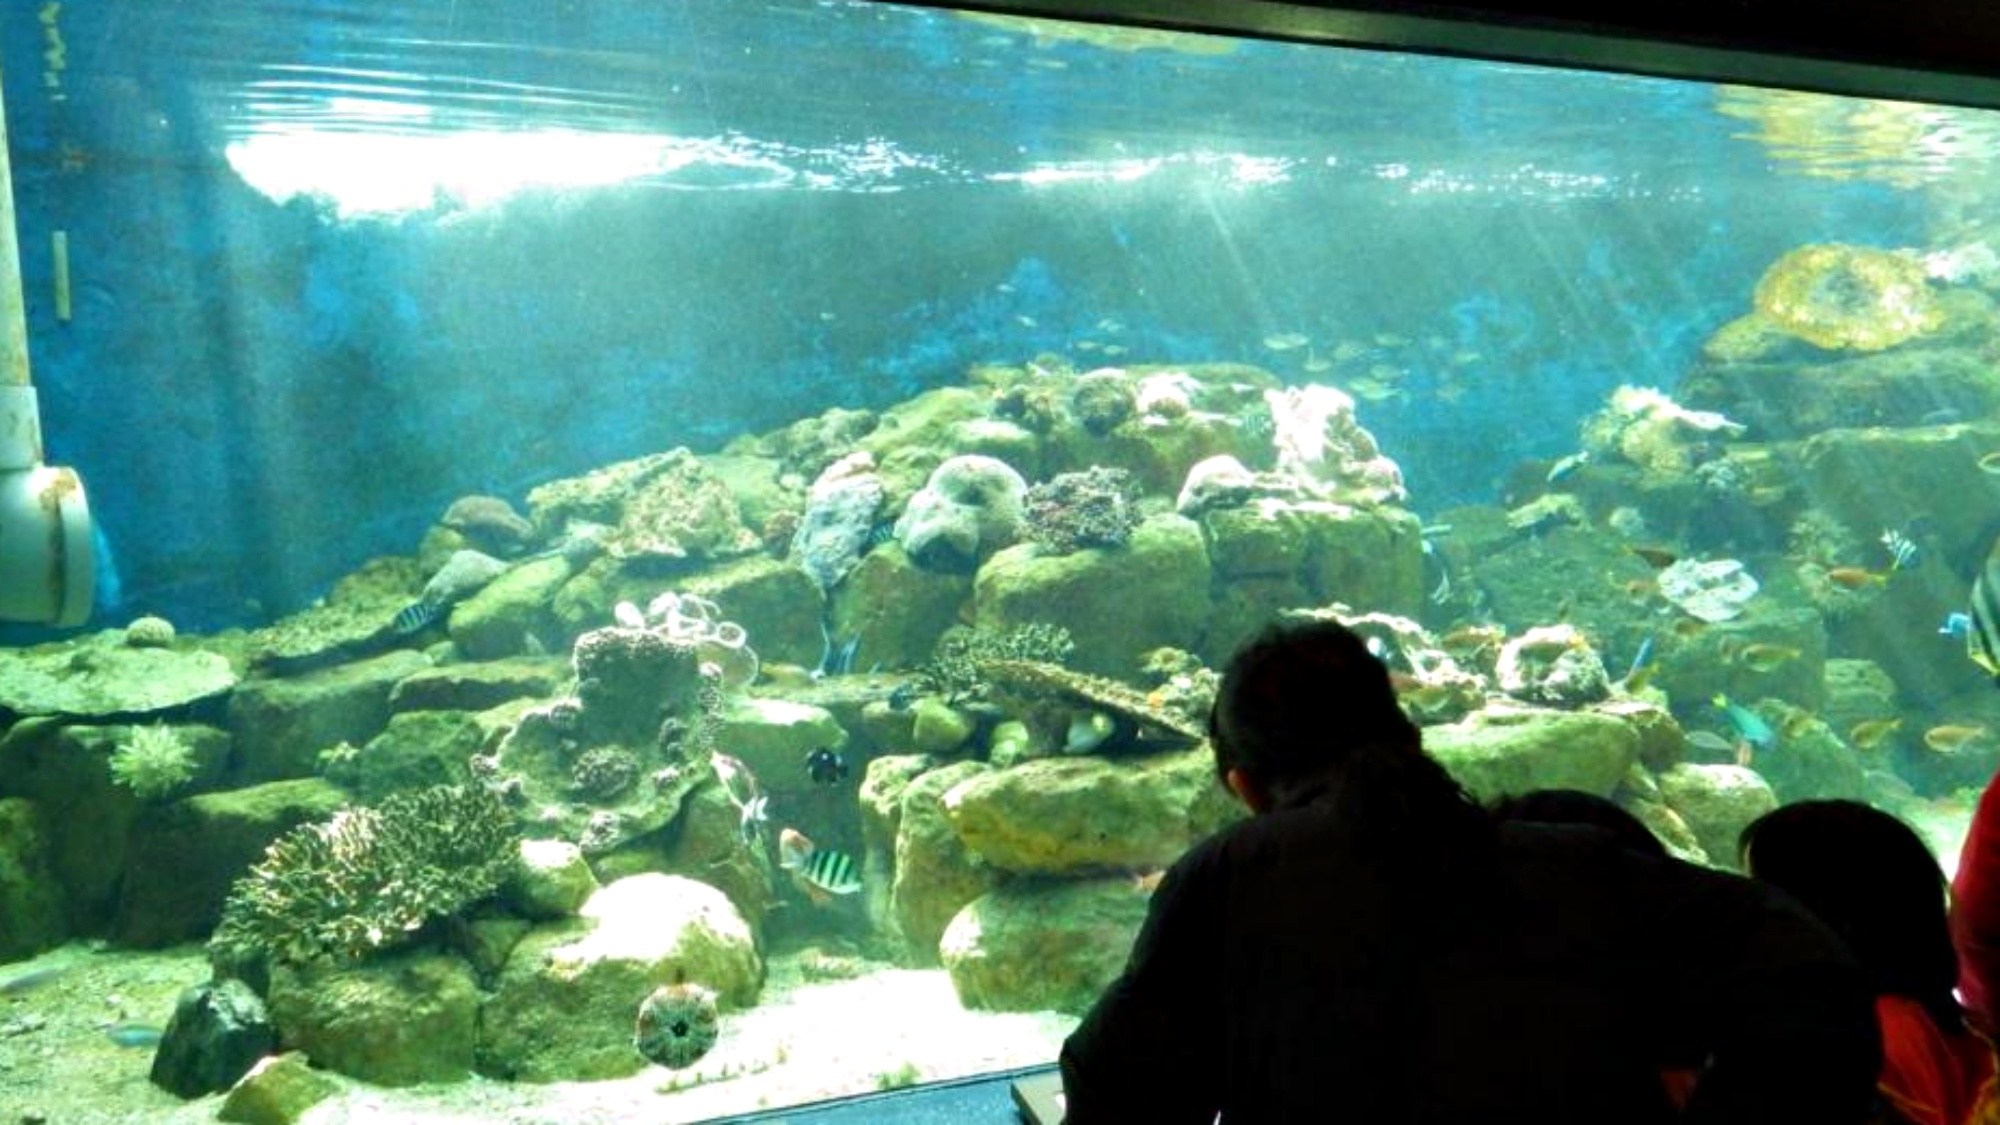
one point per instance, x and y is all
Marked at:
(1975, 913)
(1928, 1076)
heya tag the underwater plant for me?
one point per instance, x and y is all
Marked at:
(153, 762)
(370, 878)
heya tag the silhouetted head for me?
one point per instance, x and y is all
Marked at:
(1874, 882)
(1574, 806)
(1301, 701)
(1306, 714)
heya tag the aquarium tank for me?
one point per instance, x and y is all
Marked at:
(648, 561)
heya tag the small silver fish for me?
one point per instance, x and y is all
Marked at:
(134, 1034)
(31, 980)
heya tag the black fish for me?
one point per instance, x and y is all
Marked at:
(416, 617)
(826, 766)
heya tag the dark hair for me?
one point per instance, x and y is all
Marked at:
(1874, 882)
(1305, 704)
(1574, 806)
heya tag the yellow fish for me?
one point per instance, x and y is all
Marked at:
(1870, 734)
(1766, 657)
(1951, 738)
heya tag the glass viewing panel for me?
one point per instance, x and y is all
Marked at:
(797, 466)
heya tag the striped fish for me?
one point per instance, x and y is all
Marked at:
(416, 617)
(1982, 637)
(823, 871)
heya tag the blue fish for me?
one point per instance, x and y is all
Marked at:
(1750, 726)
(1957, 626)
(1643, 658)
(134, 1034)
(416, 617)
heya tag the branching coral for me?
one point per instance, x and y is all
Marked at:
(370, 878)
(1092, 508)
(153, 762)
(956, 671)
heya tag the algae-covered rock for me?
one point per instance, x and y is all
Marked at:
(1811, 763)
(419, 748)
(186, 855)
(1116, 604)
(553, 880)
(281, 725)
(1836, 296)
(477, 686)
(1065, 815)
(31, 901)
(936, 727)
(971, 507)
(102, 675)
(1499, 752)
(706, 843)
(277, 1091)
(395, 1021)
(511, 614)
(1038, 946)
(897, 609)
(777, 604)
(1717, 802)
(354, 621)
(677, 510)
(85, 819)
(564, 1005)
(934, 874)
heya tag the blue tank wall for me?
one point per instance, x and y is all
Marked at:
(260, 395)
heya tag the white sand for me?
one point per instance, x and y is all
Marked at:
(805, 1042)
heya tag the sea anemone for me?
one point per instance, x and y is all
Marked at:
(153, 762)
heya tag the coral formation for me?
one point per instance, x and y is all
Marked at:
(1643, 426)
(956, 670)
(149, 632)
(970, 507)
(1856, 298)
(1101, 400)
(1321, 444)
(601, 774)
(679, 510)
(490, 523)
(841, 510)
(153, 762)
(677, 1025)
(370, 878)
(1712, 590)
(1072, 511)
(1553, 664)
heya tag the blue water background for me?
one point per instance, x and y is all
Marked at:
(261, 394)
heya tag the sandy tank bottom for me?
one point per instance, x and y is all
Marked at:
(805, 1042)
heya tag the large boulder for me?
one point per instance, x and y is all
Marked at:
(510, 614)
(277, 1091)
(218, 1031)
(281, 725)
(934, 874)
(1066, 815)
(1039, 946)
(102, 675)
(32, 911)
(1151, 593)
(565, 1002)
(419, 749)
(394, 1021)
(778, 605)
(1501, 751)
(896, 608)
(185, 856)
(1717, 802)
(478, 685)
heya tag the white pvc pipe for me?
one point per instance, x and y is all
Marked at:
(13, 314)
